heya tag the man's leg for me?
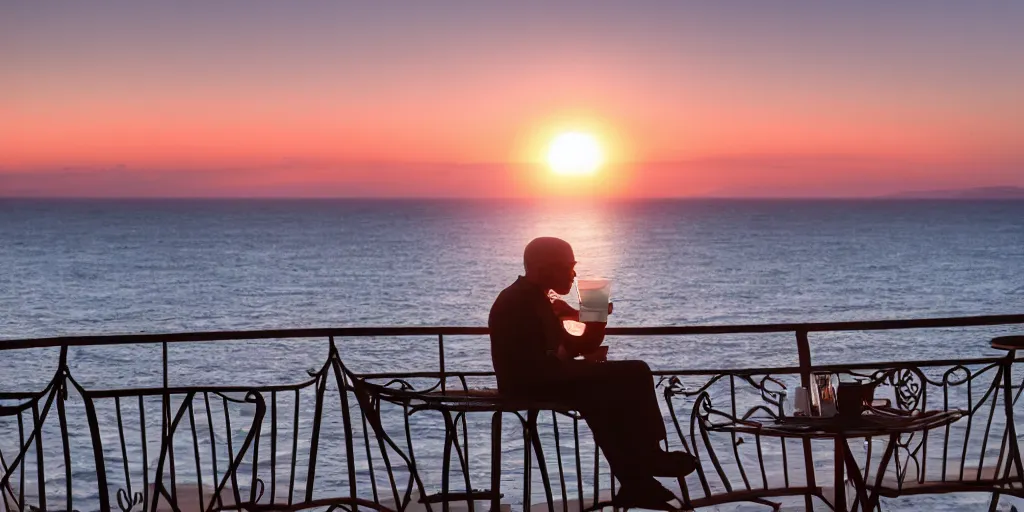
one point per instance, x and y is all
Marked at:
(629, 390)
(623, 393)
(607, 435)
(620, 396)
(618, 401)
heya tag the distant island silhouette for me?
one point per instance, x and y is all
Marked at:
(965, 193)
(1004, 192)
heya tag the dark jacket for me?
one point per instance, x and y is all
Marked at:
(525, 335)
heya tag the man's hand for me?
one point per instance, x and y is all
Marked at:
(597, 355)
(590, 340)
(564, 311)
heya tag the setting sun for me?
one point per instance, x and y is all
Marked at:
(575, 153)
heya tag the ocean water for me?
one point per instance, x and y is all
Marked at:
(105, 267)
(127, 266)
(93, 266)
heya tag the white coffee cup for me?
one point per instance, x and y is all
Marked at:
(594, 295)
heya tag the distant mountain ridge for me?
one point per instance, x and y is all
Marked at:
(965, 193)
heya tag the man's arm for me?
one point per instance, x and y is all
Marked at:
(590, 340)
(564, 311)
(572, 345)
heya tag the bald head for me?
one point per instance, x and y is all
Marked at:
(546, 251)
(550, 264)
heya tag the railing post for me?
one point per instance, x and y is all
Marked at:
(165, 397)
(440, 358)
(803, 351)
(346, 415)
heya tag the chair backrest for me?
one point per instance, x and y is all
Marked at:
(972, 451)
(294, 446)
(319, 445)
(181, 448)
(738, 463)
(23, 462)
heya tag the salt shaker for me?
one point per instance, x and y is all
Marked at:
(801, 402)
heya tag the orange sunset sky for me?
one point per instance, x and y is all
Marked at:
(461, 99)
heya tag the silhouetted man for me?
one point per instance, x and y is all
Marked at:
(534, 358)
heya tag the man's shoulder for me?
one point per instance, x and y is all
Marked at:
(512, 300)
(506, 297)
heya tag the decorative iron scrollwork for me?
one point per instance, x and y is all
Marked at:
(909, 388)
(128, 503)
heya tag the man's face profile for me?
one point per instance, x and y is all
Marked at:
(561, 275)
(551, 263)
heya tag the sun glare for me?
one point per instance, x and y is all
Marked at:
(575, 153)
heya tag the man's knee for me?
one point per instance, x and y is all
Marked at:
(627, 373)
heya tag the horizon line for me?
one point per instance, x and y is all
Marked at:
(885, 197)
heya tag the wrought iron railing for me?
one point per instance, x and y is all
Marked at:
(410, 439)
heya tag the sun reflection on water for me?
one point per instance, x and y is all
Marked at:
(588, 228)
